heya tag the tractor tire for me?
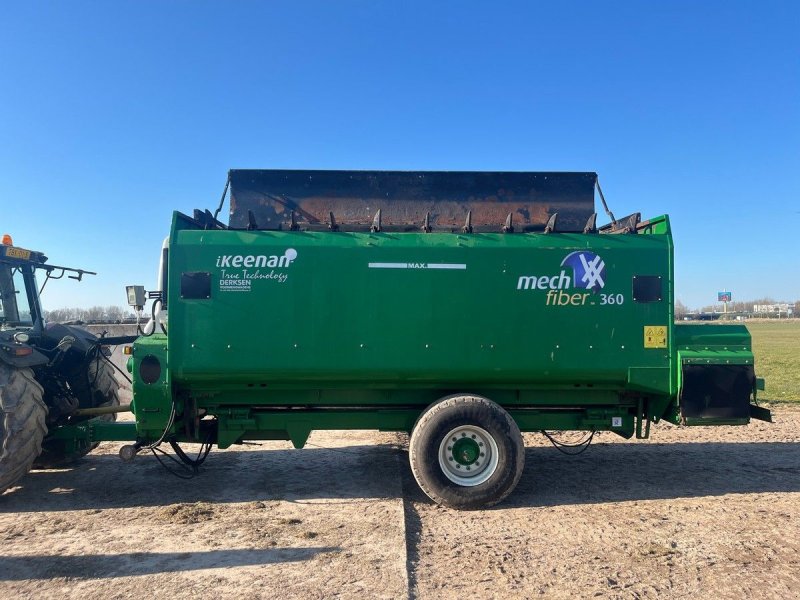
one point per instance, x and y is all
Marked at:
(22, 423)
(96, 387)
(466, 452)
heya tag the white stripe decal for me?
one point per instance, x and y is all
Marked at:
(388, 265)
(448, 266)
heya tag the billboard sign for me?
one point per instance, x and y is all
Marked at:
(724, 296)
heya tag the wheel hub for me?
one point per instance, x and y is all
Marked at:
(466, 451)
(468, 455)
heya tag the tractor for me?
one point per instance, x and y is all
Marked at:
(49, 372)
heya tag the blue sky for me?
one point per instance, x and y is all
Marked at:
(114, 114)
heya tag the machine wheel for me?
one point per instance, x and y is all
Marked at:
(466, 452)
(22, 423)
(96, 387)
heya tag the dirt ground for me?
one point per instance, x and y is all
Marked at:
(693, 512)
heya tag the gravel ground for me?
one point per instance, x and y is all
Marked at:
(711, 512)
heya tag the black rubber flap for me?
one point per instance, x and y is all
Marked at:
(196, 285)
(717, 391)
(647, 288)
(406, 197)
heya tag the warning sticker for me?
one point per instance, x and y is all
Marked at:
(655, 336)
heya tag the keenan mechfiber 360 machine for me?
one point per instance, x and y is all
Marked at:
(461, 307)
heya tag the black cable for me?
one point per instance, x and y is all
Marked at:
(202, 454)
(97, 349)
(139, 329)
(191, 467)
(568, 444)
(189, 472)
(582, 445)
(160, 302)
(123, 373)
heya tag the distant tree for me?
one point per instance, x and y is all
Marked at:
(740, 306)
(55, 316)
(681, 310)
(61, 315)
(108, 314)
(95, 313)
(114, 314)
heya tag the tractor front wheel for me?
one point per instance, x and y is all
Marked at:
(22, 423)
(466, 452)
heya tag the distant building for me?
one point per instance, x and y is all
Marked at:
(771, 309)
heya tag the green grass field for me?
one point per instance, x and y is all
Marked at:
(776, 346)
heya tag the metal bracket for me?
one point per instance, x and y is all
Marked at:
(376, 222)
(509, 226)
(591, 224)
(251, 221)
(641, 415)
(468, 223)
(426, 226)
(293, 226)
(551, 224)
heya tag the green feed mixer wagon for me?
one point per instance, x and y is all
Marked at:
(460, 307)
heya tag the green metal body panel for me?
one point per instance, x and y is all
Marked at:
(698, 344)
(345, 313)
(296, 331)
(710, 344)
(272, 334)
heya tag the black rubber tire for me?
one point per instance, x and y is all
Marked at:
(22, 423)
(97, 387)
(432, 428)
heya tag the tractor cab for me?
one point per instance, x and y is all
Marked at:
(19, 292)
(25, 339)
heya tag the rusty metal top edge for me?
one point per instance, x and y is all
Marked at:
(238, 172)
(279, 198)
